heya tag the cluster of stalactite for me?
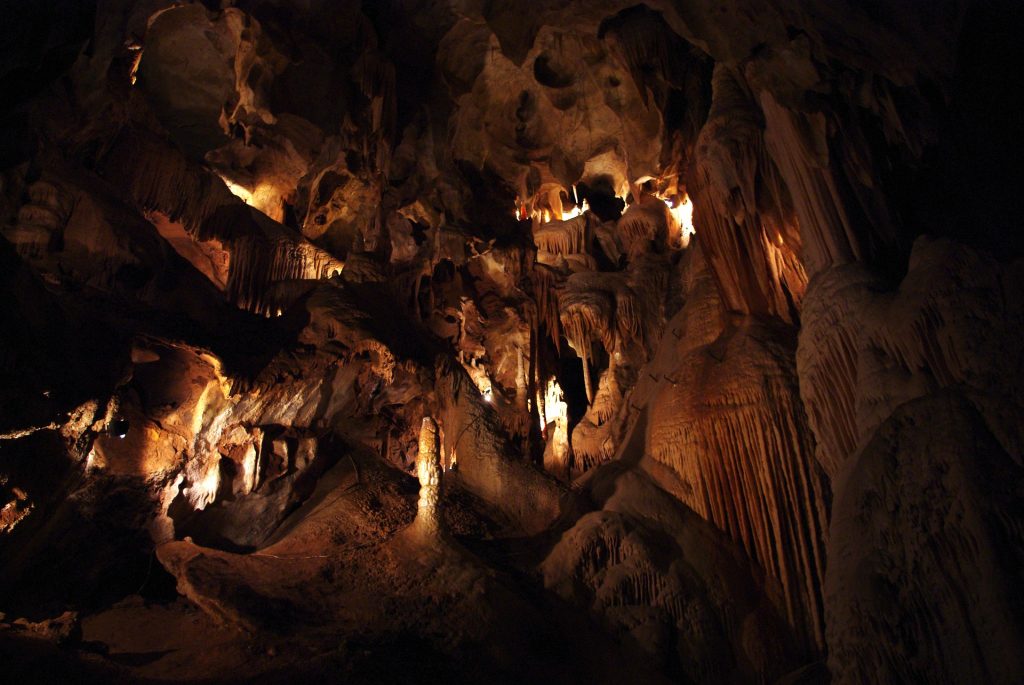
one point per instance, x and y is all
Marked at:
(741, 205)
(258, 262)
(733, 430)
(158, 178)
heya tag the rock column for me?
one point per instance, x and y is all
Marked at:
(428, 469)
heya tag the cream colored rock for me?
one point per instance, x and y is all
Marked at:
(570, 99)
(740, 207)
(429, 522)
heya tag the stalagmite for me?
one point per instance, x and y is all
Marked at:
(429, 523)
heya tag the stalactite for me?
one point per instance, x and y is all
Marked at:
(581, 322)
(257, 263)
(644, 222)
(383, 359)
(157, 177)
(628, 316)
(601, 306)
(376, 78)
(733, 429)
(588, 449)
(835, 226)
(646, 282)
(659, 59)
(597, 436)
(562, 237)
(740, 207)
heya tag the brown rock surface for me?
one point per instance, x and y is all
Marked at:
(660, 574)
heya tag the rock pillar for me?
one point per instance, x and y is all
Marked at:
(428, 469)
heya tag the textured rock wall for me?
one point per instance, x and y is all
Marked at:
(730, 425)
(440, 210)
(913, 396)
(741, 206)
(864, 349)
(527, 496)
(827, 358)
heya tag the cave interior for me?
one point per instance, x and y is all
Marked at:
(561, 341)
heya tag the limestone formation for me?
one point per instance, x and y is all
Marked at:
(654, 570)
(865, 349)
(428, 469)
(731, 429)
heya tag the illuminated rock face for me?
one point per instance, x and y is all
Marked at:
(731, 428)
(707, 314)
(428, 470)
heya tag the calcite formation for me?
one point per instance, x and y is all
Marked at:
(743, 453)
(706, 314)
(681, 601)
(428, 520)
